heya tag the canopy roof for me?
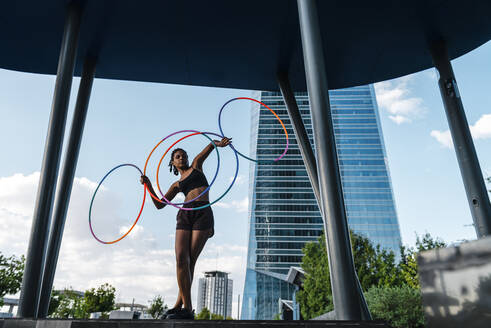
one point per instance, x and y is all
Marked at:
(241, 44)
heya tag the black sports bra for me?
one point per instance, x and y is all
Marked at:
(194, 180)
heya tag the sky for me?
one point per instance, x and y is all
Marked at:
(126, 119)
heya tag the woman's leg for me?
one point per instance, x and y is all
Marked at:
(182, 247)
(198, 242)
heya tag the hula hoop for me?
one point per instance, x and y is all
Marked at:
(170, 135)
(194, 132)
(211, 203)
(92, 201)
(272, 111)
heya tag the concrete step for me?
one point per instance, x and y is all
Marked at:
(97, 323)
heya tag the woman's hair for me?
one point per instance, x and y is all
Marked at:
(172, 168)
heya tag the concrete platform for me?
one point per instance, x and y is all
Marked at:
(96, 323)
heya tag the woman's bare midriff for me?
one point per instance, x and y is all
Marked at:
(195, 192)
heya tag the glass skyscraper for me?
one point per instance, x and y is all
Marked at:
(283, 213)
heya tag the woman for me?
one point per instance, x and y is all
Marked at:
(193, 227)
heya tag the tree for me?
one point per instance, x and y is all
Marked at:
(427, 242)
(69, 304)
(157, 307)
(203, 315)
(316, 296)
(408, 265)
(374, 266)
(393, 288)
(54, 301)
(11, 272)
(73, 304)
(400, 306)
(100, 300)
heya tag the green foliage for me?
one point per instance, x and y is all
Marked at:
(54, 301)
(100, 300)
(374, 266)
(72, 305)
(206, 315)
(377, 269)
(315, 298)
(401, 307)
(409, 266)
(427, 242)
(229, 318)
(216, 316)
(277, 316)
(11, 271)
(69, 303)
(203, 315)
(157, 307)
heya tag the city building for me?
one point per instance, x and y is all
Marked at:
(215, 293)
(283, 213)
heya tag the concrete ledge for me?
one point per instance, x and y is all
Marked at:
(456, 285)
(97, 323)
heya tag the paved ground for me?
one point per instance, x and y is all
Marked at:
(27, 323)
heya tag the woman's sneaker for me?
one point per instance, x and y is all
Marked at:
(169, 312)
(183, 314)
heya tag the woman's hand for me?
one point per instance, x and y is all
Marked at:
(223, 143)
(145, 180)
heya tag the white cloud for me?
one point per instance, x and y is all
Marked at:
(136, 232)
(395, 97)
(432, 74)
(480, 130)
(443, 137)
(240, 180)
(179, 198)
(136, 266)
(240, 206)
(399, 119)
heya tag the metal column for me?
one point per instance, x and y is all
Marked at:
(310, 162)
(344, 287)
(470, 169)
(300, 133)
(66, 182)
(31, 282)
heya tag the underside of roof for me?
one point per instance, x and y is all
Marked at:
(241, 44)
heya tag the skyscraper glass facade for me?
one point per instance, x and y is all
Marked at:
(283, 213)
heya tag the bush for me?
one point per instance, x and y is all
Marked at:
(215, 316)
(401, 307)
(203, 315)
(157, 307)
(70, 304)
(11, 272)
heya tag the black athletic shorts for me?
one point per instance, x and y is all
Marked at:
(201, 219)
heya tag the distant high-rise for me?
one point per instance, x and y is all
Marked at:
(215, 293)
(283, 210)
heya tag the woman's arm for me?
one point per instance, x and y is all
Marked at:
(171, 193)
(200, 158)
